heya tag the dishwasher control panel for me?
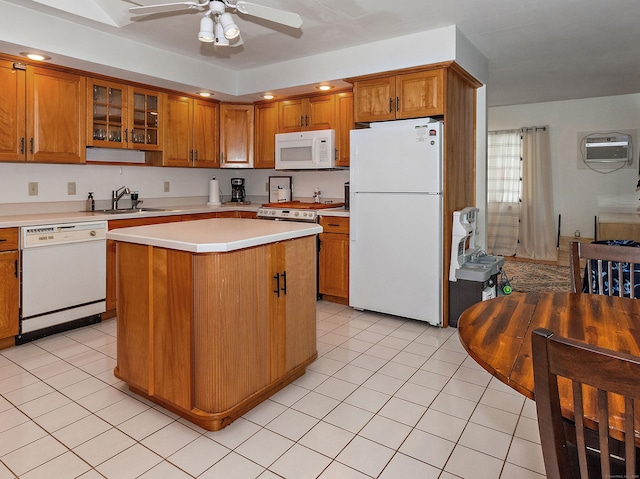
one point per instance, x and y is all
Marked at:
(45, 235)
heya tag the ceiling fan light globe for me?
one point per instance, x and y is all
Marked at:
(231, 30)
(206, 30)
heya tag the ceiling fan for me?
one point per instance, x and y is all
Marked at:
(217, 25)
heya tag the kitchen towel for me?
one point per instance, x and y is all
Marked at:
(214, 193)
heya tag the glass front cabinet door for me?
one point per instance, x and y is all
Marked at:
(121, 116)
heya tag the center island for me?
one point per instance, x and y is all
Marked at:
(214, 316)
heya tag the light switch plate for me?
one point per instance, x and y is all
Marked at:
(71, 188)
(166, 187)
(33, 188)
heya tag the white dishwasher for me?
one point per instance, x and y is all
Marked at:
(63, 277)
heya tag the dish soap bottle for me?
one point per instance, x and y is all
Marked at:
(91, 203)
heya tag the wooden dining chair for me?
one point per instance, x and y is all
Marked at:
(609, 269)
(579, 449)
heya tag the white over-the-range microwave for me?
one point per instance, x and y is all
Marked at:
(306, 150)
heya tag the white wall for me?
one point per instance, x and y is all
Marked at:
(579, 193)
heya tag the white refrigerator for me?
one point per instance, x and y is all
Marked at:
(395, 247)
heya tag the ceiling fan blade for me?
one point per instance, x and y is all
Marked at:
(272, 14)
(168, 7)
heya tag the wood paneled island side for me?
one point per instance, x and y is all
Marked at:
(214, 316)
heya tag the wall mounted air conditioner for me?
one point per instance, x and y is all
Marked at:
(608, 148)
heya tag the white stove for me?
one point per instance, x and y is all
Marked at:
(288, 214)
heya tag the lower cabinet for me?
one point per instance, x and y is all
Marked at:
(211, 335)
(333, 259)
(9, 286)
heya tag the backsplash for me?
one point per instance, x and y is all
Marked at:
(53, 182)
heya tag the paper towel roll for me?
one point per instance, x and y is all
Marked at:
(214, 193)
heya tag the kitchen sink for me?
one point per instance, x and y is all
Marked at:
(130, 210)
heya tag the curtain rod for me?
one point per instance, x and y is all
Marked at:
(519, 130)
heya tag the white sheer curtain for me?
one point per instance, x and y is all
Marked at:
(537, 228)
(504, 173)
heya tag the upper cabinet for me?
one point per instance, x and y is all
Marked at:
(236, 135)
(12, 113)
(191, 132)
(122, 116)
(392, 97)
(266, 127)
(312, 113)
(344, 125)
(42, 113)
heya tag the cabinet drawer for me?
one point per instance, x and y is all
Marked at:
(334, 224)
(8, 239)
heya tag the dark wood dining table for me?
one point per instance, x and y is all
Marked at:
(497, 335)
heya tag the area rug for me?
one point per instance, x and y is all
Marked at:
(525, 276)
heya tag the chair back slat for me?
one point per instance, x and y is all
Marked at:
(629, 431)
(579, 420)
(609, 269)
(603, 432)
(600, 440)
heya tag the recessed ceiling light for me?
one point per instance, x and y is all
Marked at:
(268, 96)
(35, 56)
(205, 94)
(324, 87)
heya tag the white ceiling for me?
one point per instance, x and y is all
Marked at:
(537, 50)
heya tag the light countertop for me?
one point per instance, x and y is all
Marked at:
(334, 212)
(217, 235)
(35, 219)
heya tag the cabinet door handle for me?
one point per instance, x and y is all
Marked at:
(31, 145)
(301, 120)
(15, 266)
(333, 224)
(22, 145)
(196, 158)
(126, 135)
(284, 282)
(306, 120)
(390, 105)
(277, 278)
(221, 157)
(397, 103)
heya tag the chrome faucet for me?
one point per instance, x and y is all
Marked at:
(116, 195)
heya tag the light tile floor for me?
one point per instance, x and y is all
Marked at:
(387, 398)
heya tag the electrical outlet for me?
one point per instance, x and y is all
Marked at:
(166, 187)
(33, 188)
(71, 188)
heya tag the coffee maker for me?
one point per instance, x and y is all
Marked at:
(237, 190)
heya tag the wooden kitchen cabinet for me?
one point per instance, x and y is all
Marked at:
(9, 286)
(409, 95)
(309, 113)
(266, 127)
(123, 116)
(344, 125)
(42, 114)
(56, 109)
(333, 259)
(236, 135)
(191, 133)
(12, 112)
